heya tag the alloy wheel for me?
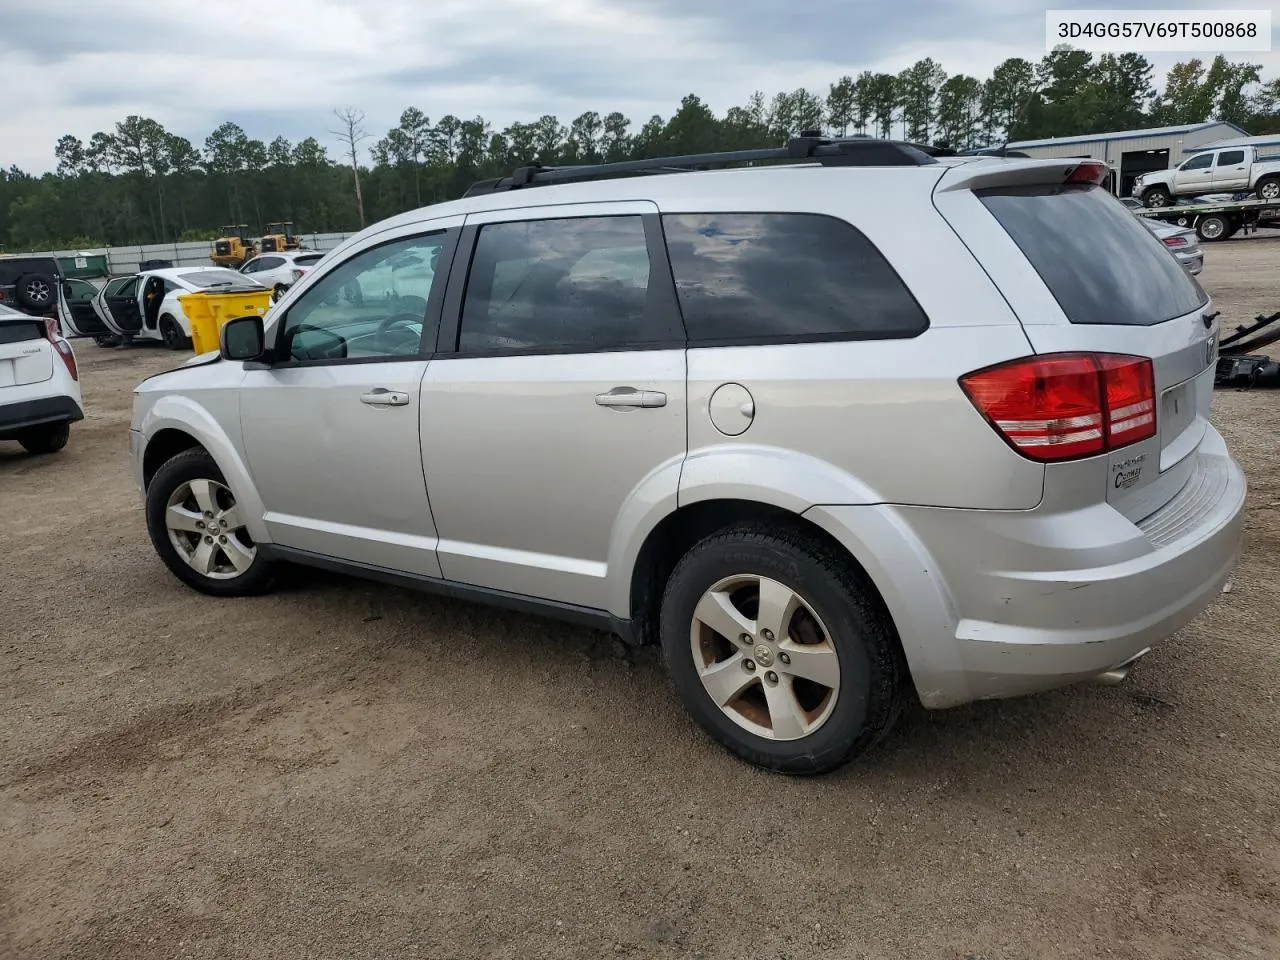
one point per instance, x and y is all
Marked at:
(38, 291)
(206, 528)
(764, 657)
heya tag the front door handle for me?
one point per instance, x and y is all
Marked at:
(382, 397)
(631, 397)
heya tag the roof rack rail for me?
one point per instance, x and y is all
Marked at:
(858, 151)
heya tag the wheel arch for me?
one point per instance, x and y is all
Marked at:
(175, 424)
(679, 530)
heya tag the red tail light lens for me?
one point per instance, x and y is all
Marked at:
(1087, 173)
(1068, 405)
(61, 346)
(68, 357)
(1129, 387)
(1174, 241)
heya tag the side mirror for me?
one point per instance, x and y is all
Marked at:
(242, 339)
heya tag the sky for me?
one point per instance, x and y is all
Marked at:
(281, 67)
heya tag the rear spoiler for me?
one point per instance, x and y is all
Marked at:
(985, 172)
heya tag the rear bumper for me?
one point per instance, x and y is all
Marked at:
(16, 417)
(993, 604)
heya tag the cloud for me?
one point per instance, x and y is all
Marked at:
(77, 67)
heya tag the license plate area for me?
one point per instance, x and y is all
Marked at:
(1178, 412)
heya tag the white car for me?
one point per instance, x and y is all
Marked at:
(1180, 241)
(39, 383)
(281, 270)
(145, 306)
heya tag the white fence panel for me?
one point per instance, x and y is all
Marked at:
(126, 260)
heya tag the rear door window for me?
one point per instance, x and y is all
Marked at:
(1098, 261)
(778, 277)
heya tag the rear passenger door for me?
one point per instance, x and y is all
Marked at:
(557, 390)
(1230, 171)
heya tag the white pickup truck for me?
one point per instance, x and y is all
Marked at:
(1236, 169)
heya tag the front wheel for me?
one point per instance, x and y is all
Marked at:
(780, 650)
(198, 529)
(49, 438)
(1157, 197)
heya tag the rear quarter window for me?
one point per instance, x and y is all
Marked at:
(777, 277)
(1098, 261)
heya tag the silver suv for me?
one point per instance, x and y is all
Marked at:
(850, 424)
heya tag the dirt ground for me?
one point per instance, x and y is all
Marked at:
(349, 770)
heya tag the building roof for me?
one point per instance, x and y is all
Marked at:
(1128, 134)
(1269, 140)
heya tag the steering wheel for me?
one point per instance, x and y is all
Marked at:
(394, 321)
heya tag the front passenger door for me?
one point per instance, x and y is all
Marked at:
(1196, 175)
(330, 428)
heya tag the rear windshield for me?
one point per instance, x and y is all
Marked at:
(309, 259)
(214, 278)
(16, 331)
(1098, 261)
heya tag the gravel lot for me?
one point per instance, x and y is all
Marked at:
(350, 770)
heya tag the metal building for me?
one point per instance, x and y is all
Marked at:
(1131, 153)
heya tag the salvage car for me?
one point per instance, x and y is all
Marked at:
(31, 285)
(146, 306)
(858, 428)
(39, 382)
(1182, 242)
(281, 270)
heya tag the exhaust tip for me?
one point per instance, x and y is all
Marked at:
(1117, 674)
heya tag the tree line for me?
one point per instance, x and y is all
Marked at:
(140, 183)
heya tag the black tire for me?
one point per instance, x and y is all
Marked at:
(1157, 197)
(173, 336)
(872, 669)
(1214, 226)
(36, 291)
(185, 467)
(279, 291)
(106, 340)
(46, 438)
(1268, 188)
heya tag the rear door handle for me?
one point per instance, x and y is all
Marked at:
(631, 397)
(382, 397)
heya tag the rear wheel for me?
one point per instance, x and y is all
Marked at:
(278, 292)
(47, 438)
(1157, 197)
(35, 291)
(779, 649)
(1269, 188)
(198, 528)
(1213, 227)
(173, 336)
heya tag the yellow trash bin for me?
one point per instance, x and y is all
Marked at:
(209, 310)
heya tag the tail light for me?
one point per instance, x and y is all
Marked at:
(297, 274)
(61, 346)
(1087, 173)
(1174, 241)
(1067, 405)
